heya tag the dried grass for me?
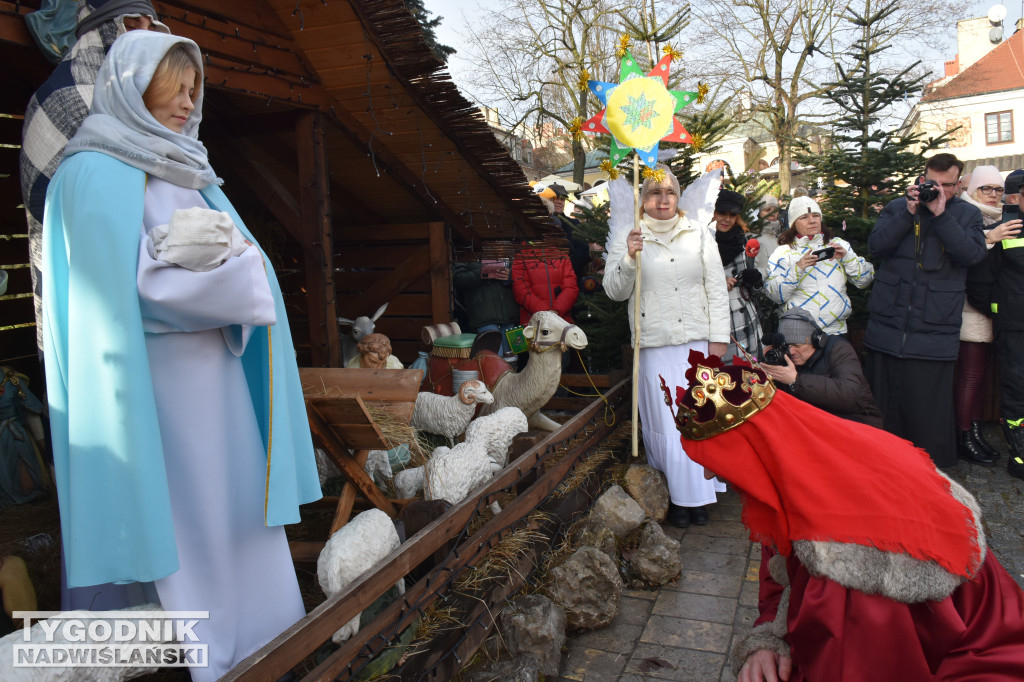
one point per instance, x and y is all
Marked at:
(502, 561)
(437, 619)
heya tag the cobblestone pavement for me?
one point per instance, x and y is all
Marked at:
(685, 630)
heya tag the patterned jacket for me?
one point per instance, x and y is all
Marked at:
(821, 289)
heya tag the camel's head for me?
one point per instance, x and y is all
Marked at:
(475, 391)
(547, 329)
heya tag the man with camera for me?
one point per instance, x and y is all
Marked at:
(924, 243)
(818, 368)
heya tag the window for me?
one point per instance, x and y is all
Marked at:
(999, 127)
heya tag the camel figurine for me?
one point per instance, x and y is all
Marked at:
(549, 335)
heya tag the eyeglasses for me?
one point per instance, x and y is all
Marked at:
(990, 189)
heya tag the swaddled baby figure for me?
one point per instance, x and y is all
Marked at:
(197, 239)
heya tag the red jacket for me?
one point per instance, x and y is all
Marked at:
(541, 281)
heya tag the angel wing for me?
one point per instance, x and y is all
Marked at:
(698, 200)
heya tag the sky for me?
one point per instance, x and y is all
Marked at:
(456, 13)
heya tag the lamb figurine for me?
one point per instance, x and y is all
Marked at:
(408, 482)
(353, 550)
(496, 431)
(449, 415)
(451, 473)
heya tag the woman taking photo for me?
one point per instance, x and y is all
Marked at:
(985, 191)
(683, 305)
(743, 283)
(179, 430)
(800, 275)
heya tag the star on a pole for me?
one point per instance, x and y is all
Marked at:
(639, 111)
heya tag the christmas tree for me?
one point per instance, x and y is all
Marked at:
(868, 164)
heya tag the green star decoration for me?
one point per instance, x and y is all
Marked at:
(639, 112)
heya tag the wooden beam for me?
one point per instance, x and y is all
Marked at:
(12, 24)
(395, 282)
(317, 245)
(245, 13)
(440, 275)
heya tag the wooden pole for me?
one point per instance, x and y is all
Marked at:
(636, 310)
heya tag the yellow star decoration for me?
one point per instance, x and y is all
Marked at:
(672, 52)
(581, 84)
(698, 142)
(702, 92)
(658, 174)
(612, 171)
(576, 128)
(624, 44)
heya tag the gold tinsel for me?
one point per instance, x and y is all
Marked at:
(657, 174)
(581, 84)
(672, 52)
(611, 170)
(576, 128)
(698, 142)
(702, 92)
(624, 43)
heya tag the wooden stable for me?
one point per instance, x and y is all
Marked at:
(344, 145)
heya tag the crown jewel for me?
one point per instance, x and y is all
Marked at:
(718, 398)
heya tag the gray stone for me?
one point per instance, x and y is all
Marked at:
(656, 559)
(648, 487)
(519, 669)
(587, 585)
(618, 511)
(535, 625)
(596, 534)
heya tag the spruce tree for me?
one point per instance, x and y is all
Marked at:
(422, 15)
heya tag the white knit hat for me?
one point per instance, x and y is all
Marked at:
(768, 200)
(800, 206)
(984, 175)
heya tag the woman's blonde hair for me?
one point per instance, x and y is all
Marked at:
(167, 77)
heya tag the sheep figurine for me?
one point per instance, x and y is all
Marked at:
(449, 415)
(354, 549)
(408, 482)
(451, 473)
(378, 467)
(70, 673)
(496, 431)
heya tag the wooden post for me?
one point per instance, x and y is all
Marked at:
(636, 310)
(440, 275)
(317, 242)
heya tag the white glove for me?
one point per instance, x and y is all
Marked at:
(620, 214)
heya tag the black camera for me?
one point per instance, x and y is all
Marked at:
(776, 355)
(928, 191)
(826, 253)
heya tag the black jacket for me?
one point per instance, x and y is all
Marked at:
(487, 301)
(996, 285)
(832, 380)
(918, 294)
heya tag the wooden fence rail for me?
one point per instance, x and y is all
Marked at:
(292, 646)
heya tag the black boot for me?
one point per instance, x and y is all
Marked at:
(971, 451)
(979, 439)
(678, 516)
(1015, 439)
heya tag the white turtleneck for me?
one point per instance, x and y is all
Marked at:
(659, 226)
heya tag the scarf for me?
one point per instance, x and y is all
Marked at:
(804, 474)
(122, 127)
(990, 214)
(730, 244)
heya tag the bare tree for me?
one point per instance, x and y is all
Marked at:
(533, 57)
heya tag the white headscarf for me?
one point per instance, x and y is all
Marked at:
(121, 126)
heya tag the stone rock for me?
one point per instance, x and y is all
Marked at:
(618, 511)
(520, 669)
(587, 585)
(656, 560)
(649, 488)
(597, 535)
(535, 625)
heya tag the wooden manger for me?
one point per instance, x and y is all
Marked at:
(337, 403)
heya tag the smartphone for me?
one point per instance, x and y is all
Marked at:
(494, 269)
(826, 253)
(1011, 212)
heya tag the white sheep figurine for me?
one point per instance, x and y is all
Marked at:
(451, 473)
(71, 673)
(496, 432)
(449, 415)
(408, 482)
(354, 549)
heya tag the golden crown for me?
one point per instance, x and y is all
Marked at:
(718, 398)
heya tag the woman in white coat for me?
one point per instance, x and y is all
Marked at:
(797, 278)
(684, 305)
